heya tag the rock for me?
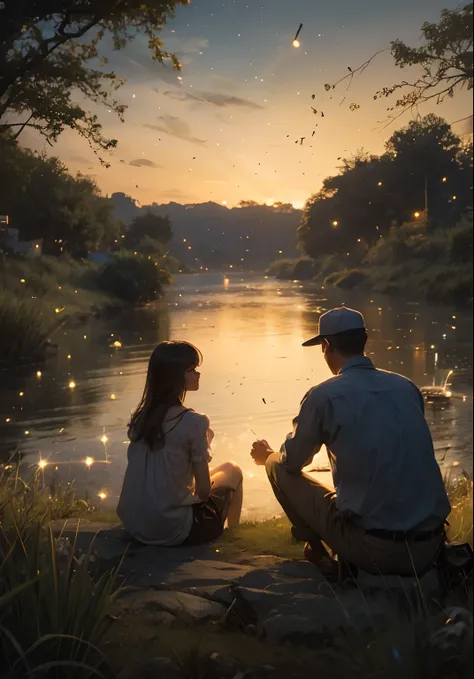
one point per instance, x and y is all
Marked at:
(258, 579)
(180, 604)
(154, 668)
(297, 587)
(223, 594)
(300, 569)
(262, 561)
(261, 601)
(108, 542)
(203, 573)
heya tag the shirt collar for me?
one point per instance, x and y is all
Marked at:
(363, 362)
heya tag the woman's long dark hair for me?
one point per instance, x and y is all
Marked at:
(165, 387)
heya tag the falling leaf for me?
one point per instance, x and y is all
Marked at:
(264, 401)
(314, 110)
(314, 97)
(327, 87)
(349, 69)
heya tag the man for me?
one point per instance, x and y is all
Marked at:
(389, 508)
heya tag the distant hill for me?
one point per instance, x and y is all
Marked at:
(212, 236)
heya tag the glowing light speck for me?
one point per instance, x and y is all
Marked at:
(296, 44)
(89, 461)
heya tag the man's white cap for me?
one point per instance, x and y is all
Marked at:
(336, 322)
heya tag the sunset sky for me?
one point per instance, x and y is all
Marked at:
(227, 130)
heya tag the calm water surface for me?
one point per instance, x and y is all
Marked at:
(255, 372)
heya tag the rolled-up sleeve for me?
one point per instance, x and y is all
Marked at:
(200, 438)
(298, 450)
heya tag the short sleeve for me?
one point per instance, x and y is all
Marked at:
(200, 438)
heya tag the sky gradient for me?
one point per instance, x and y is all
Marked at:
(224, 129)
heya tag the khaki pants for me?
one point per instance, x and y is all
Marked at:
(311, 508)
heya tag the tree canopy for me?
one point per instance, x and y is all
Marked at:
(46, 51)
(148, 234)
(45, 202)
(445, 58)
(423, 162)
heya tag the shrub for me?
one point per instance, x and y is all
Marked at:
(281, 268)
(347, 280)
(132, 278)
(25, 326)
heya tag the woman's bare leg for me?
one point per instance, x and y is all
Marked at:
(229, 475)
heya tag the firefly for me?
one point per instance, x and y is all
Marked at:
(89, 461)
(38, 374)
(42, 464)
(104, 439)
(335, 223)
(102, 495)
(112, 397)
(417, 214)
(296, 42)
(72, 385)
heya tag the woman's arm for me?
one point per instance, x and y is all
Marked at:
(203, 480)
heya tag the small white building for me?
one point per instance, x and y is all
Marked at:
(10, 238)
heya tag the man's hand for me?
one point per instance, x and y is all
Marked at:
(261, 451)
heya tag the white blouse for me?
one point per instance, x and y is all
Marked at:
(158, 492)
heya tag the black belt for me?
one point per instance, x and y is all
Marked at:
(408, 536)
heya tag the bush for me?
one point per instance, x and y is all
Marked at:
(25, 326)
(281, 268)
(347, 280)
(132, 278)
(303, 269)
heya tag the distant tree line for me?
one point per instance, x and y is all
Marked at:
(44, 201)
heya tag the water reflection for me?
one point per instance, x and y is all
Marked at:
(254, 375)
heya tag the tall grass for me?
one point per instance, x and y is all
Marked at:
(53, 610)
(25, 326)
(460, 491)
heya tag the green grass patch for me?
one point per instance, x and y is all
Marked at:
(271, 537)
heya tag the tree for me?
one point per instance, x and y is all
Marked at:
(45, 60)
(148, 234)
(45, 202)
(446, 59)
(425, 166)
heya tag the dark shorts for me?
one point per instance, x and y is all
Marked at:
(209, 517)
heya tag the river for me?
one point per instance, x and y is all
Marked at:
(249, 328)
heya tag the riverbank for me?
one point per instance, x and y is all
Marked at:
(408, 261)
(244, 606)
(38, 296)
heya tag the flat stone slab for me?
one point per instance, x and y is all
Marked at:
(180, 604)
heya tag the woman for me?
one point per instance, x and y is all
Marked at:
(170, 496)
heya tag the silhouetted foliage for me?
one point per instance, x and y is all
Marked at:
(354, 209)
(135, 279)
(45, 57)
(148, 234)
(44, 201)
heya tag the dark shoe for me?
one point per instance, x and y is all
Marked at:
(335, 572)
